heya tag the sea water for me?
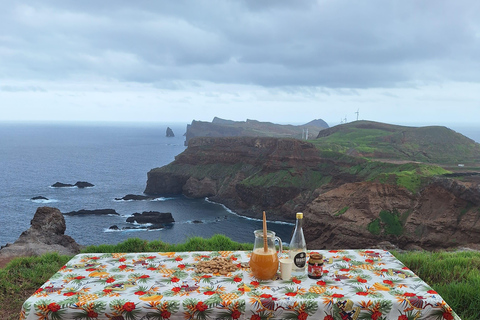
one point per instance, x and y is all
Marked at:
(116, 159)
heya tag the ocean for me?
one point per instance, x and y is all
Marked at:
(116, 159)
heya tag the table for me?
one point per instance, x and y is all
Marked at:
(357, 284)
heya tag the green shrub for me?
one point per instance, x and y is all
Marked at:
(374, 227)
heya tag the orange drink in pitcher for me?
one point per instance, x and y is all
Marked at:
(264, 263)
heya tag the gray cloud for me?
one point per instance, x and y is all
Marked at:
(332, 44)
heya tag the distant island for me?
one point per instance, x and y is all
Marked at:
(253, 128)
(359, 184)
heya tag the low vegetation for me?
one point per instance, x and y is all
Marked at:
(369, 139)
(454, 275)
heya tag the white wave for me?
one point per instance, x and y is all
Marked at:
(162, 199)
(247, 218)
(44, 201)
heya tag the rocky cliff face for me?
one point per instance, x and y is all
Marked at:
(342, 208)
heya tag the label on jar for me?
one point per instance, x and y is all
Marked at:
(300, 259)
(315, 270)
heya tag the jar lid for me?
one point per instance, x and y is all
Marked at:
(299, 215)
(316, 257)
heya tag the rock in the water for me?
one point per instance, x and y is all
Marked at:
(134, 197)
(91, 212)
(169, 133)
(61, 185)
(39, 198)
(114, 227)
(153, 217)
(46, 234)
(78, 184)
(83, 184)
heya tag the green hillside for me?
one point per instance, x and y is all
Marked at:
(432, 144)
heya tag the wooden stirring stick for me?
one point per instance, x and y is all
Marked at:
(265, 245)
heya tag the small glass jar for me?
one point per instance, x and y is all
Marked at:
(315, 266)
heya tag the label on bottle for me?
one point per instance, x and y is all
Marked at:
(300, 259)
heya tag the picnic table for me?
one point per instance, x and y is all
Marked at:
(356, 284)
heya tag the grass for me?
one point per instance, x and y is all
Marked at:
(432, 144)
(454, 275)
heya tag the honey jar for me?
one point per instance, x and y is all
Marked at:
(315, 266)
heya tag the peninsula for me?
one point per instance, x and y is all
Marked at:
(358, 184)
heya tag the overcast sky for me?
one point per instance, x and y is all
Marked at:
(405, 61)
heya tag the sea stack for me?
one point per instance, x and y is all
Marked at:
(169, 133)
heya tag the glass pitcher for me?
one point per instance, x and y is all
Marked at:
(264, 264)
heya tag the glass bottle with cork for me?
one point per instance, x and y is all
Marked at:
(298, 248)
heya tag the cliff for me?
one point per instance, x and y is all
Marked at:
(252, 128)
(348, 202)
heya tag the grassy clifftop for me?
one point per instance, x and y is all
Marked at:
(433, 144)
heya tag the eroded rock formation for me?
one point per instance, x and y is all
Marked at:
(46, 234)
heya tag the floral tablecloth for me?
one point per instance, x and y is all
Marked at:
(357, 284)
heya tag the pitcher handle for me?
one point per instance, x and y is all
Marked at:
(280, 246)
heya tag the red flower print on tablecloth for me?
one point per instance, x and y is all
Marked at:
(447, 316)
(140, 293)
(361, 280)
(402, 317)
(181, 266)
(201, 306)
(362, 293)
(369, 261)
(297, 281)
(328, 317)
(389, 282)
(432, 292)
(376, 315)
(236, 314)
(337, 295)
(237, 279)
(321, 283)
(92, 314)
(129, 306)
(174, 279)
(69, 294)
(178, 259)
(53, 307)
(302, 316)
(209, 293)
(166, 314)
(122, 260)
(255, 317)
(110, 280)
